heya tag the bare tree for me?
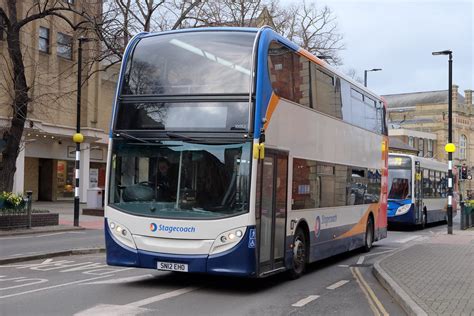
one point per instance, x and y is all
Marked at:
(14, 22)
(352, 73)
(313, 28)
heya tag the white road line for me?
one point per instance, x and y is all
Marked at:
(305, 301)
(162, 297)
(32, 236)
(343, 266)
(54, 286)
(112, 310)
(405, 240)
(361, 260)
(337, 284)
(124, 280)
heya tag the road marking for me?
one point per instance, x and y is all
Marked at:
(343, 266)
(405, 240)
(361, 260)
(375, 304)
(305, 301)
(162, 297)
(32, 281)
(31, 236)
(54, 286)
(124, 280)
(337, 284)
(112, 310)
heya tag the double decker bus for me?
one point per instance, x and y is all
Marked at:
(233, 151)
(418, 190)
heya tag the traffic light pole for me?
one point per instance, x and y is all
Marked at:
(450, 141)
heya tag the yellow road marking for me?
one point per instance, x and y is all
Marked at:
(375, 304)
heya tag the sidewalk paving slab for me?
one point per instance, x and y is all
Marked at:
(433, 277)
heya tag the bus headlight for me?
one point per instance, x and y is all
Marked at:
(227, 240)
(403, 209)
(122, 234)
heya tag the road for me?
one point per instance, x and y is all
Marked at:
(85, 285)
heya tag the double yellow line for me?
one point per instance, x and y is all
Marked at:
(375, 304)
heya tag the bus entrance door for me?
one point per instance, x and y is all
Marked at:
(272, 185)
(418, 193)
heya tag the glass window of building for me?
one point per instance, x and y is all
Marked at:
(43, 41)
(462, 146)
(429, 153)
(64, 48)
(421, 147)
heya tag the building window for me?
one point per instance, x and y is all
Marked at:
(462, 146)
(43, 43)
(421, 146)
(410, 141)
(429, 153)
(64, 46)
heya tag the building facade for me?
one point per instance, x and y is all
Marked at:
(420, 120)
(45, 164)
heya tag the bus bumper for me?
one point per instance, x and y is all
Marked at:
(407, 218)
(238, 261)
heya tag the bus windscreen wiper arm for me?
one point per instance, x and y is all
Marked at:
(180, 137)
(125, 135)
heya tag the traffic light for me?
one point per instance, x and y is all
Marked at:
(464, 174)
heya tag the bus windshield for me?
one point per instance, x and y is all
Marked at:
(207, 62)
(176, 179)
(399, 184)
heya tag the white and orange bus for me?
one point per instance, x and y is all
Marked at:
(234, 151)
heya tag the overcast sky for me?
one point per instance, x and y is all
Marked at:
(399, 36)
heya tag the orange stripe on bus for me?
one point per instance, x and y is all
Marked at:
(360, 227)
(271, 108)
(310, 56)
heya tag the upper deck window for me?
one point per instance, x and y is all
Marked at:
(214, 62)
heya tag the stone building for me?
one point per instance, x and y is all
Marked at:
(420, 119)
(46, 161)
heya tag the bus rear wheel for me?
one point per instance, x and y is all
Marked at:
(369, 235)
(300, 254)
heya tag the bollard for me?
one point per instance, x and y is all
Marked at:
(29, 200)
(463, 217)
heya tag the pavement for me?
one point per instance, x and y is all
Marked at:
(434, 276)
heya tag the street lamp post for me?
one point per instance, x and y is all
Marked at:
(450, 148)
(365, 74)
(78, 138)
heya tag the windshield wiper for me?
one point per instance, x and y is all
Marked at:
(128, 136)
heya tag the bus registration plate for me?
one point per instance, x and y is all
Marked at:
(172, 266)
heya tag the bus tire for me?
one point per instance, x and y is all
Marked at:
(424, 219)
(300, 254)
(369, 234)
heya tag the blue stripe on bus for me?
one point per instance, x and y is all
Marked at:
(238, 261)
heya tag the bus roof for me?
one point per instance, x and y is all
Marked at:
(284, 40)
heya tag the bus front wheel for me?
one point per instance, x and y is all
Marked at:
(300, 254)
(369, 234)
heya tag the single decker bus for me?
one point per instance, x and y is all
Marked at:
(418, 190)
(233, 151)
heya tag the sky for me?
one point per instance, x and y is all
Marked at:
(399, 36)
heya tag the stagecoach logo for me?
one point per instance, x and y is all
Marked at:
(317, 227)
(172, 229)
